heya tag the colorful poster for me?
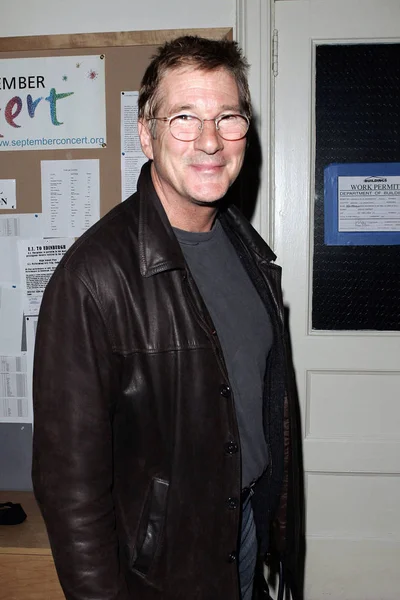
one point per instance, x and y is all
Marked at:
(52, 103)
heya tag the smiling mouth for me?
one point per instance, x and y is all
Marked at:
(205, 168)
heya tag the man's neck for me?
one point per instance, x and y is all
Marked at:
(198, 220)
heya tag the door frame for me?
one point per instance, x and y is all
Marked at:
(254, 26)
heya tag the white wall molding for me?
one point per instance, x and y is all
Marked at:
(52, 17)
(254, 24)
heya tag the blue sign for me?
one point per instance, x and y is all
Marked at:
(362, 204)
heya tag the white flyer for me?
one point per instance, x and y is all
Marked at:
(13, 228)
(132, 157)
(30, 328)
(8, 194)
(38, 259)
(9, 268)
(26, 225)
(70, 196)
(11, 319)
(15, 405)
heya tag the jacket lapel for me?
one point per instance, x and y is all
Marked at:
(158, 246)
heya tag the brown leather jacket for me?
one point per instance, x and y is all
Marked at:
(136, 446)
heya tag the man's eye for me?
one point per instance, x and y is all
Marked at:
(229, 117)
(184, 117)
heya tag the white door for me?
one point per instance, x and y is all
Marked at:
(348, 381)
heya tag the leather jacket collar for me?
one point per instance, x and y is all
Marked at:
(159, 248)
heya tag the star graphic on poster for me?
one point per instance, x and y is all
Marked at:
(92, 74)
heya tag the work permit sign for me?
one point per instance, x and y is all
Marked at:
(362, 204)
(369, 204)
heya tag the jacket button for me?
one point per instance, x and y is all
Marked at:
(232, 503)
(231, 557)
(231, 448)
(225, 391)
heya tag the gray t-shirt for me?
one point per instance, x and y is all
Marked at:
(244, 330)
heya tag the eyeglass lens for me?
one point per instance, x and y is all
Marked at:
(187, 127)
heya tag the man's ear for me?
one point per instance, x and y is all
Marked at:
(146, 139)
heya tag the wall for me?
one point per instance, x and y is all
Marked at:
(40, 17)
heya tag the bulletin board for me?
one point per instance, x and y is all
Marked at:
(126, 56)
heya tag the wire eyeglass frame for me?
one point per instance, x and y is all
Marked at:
(195, 135)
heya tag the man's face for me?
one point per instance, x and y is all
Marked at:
(200, 171)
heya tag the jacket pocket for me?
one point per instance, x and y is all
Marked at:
(151, 527)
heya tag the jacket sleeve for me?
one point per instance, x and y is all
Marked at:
(74, 379)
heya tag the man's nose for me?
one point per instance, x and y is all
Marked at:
(209, 140)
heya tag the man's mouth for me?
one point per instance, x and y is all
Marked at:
(207, 168)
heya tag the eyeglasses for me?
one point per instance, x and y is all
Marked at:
(188, 128)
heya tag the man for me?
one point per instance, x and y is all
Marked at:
(162, 451)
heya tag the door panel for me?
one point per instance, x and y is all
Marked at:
(348, 381)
